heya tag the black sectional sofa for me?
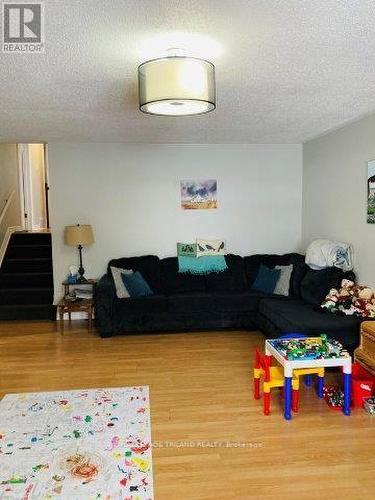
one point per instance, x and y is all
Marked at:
(184, 302)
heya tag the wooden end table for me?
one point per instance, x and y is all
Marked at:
(67, 307)
(80, 305)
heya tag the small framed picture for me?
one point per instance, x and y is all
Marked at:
(371, 192)
(199, 194)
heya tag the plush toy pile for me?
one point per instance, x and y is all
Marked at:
(351, 300)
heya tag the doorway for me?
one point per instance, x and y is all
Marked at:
(33, 176)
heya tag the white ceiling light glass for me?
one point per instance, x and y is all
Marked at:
(177, 86)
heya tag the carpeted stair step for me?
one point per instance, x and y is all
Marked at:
(24, 296)
(28, 251)
(29, 280)
(37, 265)
(26, 279)
(23, 238)
(27, 312)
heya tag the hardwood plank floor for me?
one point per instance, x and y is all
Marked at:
(201, 399)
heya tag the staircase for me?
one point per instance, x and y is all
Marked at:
(26, 280)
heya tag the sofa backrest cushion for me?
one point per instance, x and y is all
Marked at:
(253, 263)
(298, 273)
(148, 265)
(231, 280)
(266, 279)
(316, 284)
(175, 282)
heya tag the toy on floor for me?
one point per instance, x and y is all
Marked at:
(369, 405)
(334, 397)
(273, 376)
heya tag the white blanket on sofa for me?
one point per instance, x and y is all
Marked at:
(325, 253)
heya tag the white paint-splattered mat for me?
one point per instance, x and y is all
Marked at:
(89, 444)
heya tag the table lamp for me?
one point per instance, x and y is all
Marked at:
(79, 236)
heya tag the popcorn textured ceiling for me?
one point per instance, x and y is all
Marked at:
(287, 70)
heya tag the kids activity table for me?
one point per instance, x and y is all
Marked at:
(290, 365)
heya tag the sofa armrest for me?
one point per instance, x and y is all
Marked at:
(104, 300)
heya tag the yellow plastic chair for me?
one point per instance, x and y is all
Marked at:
(307, 373)
(273, 376)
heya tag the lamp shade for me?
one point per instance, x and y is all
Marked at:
(177, 86)
(78, 235)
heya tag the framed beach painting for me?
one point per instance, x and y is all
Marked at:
(198, 194)
(371, 192)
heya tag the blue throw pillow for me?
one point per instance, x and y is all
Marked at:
(266, 279)
(136, 285)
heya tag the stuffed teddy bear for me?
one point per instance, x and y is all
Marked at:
(351, 299)
(360, 306)
(366, 294)
(331, 300)
(370, 307)
(348, 310)
(347, 284)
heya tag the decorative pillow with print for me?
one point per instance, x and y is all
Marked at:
(210, 247)
(186, 249)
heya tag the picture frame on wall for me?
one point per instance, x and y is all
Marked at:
(371, 192)
(199, 194)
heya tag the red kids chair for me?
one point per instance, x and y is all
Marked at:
(273, 376)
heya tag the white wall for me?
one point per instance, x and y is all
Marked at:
(335, 191)
(38, 194)
(130, 194)
(8, 183)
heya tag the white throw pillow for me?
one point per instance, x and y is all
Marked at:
(121, 290)
(283, 283)
(210, 247)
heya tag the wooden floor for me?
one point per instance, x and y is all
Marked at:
(201, 395)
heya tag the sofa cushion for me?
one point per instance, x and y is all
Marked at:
(121, 290)
(231, 280)
(298, 273)
(266, 279)
(150, 304)
(283, 283)
(190, 302)
(244, 301)
(186, 249)
(148, 266)
(298, 316)
(253, 262)
(316, 284)
(136, 285)
(175, 282)
(210, 247)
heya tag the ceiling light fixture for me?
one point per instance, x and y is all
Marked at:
(177, 85)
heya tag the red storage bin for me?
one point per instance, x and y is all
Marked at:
(363, 384)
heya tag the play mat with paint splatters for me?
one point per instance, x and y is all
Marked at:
(86, 444)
